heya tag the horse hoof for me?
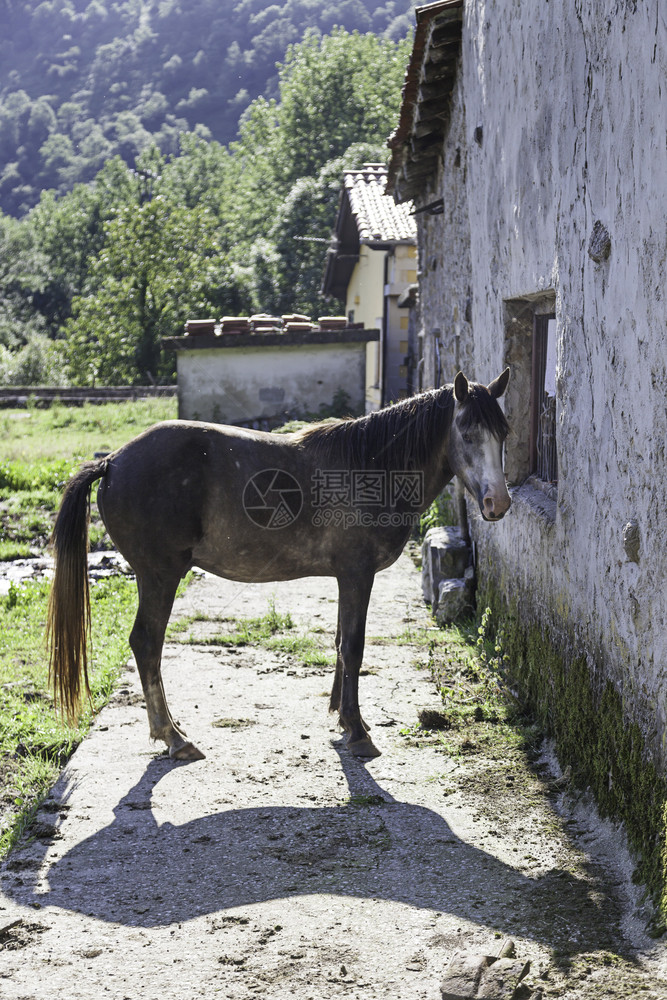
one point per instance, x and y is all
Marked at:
(363, 748)
(186, 751)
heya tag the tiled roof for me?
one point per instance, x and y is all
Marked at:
(366, 215)
(416, 143)
(377, 216)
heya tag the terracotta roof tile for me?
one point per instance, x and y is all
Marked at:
(377, 216)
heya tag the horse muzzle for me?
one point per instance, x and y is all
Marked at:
(494, 507)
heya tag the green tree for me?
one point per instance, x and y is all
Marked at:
(335, 90)
(338, 101)
(302, 229)
(70, 232)
(22, 270)
(160, 264)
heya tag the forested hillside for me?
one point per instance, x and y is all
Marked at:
(93, 279)
(84, 80)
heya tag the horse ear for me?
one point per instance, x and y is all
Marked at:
(461, 387)
(498, 386)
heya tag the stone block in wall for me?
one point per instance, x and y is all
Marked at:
(455, 599)
(445, 555)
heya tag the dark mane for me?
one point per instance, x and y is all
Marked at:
(401, 436)
(482, 408)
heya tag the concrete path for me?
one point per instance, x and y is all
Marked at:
(282, 867)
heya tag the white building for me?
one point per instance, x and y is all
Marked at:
(370, 264)
(532, 139)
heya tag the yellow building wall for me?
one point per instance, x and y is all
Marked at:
(402, 272)
(365, 304)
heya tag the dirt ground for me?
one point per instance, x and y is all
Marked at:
(282, 867)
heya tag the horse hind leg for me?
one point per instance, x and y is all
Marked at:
(156, 598)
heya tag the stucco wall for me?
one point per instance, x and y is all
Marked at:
(268, 383)
(564, 126)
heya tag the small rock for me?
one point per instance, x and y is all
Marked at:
(454, 601)
(445, 554)
(464, 974)
(500, 980)
(484, 977)
(508, 949)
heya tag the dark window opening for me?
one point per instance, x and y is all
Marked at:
(543, 453)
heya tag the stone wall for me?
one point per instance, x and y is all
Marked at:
(562, 141)
(445, 266)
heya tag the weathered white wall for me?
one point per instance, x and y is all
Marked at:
(238, 385)
(570, 97)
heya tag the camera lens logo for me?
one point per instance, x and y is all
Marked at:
(272, 499)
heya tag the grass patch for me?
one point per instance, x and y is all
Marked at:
(245, 631)
(34, 740)
(11, 549)
(57, 433)
(42, 448)
(442, 512)
(479, 709)
(261, 629)
(274, 630)
(366, 800)
(40, 451)
(305, 647)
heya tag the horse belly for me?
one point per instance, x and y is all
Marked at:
(259, 557)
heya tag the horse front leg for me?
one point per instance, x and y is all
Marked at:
(334, 701)
(353, 597)
(156, 599)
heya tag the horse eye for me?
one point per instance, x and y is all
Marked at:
(465, 433)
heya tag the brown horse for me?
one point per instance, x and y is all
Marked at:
(337, 499)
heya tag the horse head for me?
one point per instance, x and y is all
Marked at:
(475, 452)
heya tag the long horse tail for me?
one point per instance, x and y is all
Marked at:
(68, 622)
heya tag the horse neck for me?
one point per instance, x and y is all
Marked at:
(437, 474)
(412, 435)
(430, 450)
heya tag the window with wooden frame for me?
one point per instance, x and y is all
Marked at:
(530, 401)
(543, 452)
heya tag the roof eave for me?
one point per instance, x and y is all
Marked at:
(416, 143)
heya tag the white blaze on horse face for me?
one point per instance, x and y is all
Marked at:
(477, 460)
(495, 500)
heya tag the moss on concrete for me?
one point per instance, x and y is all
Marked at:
(584, 715)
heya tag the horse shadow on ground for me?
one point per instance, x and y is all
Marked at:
(143, 874)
